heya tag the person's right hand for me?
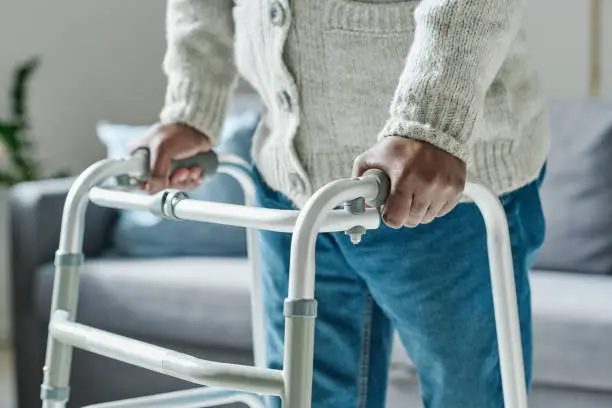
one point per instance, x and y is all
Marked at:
(174, 142)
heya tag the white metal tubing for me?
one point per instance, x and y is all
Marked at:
(298, 361)
(236, 215)
(165, 361)
(258, 327)
(65, 289)
(309, 224)
(193, 398)
(504, 295)
(269, 219)
(73, 217)
(225, 159)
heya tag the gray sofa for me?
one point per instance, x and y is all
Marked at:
(201, 305)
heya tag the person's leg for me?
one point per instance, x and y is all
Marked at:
(433, 282)
(352, 335)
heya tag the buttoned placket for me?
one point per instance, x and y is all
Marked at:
(286, 100)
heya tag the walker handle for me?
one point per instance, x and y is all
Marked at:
(384, 185)
(208, 162)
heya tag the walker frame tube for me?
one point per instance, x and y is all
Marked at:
(294, 383)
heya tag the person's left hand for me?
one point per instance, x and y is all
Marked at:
(426, 182)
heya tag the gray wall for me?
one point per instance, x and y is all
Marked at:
(101, 60)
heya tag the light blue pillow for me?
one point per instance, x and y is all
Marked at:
(140, 234)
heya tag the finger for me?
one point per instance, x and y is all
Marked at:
(397, 208)
(418, 209)
(195, 173)
(179, 177)
(448, 207)
(160, 171)
(359, 165)
(433, 211)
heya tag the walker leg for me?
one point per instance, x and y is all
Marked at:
(299, 352)
(54, 390)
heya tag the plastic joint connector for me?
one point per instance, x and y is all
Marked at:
(300, 308)
(68, 259)
(356, 206)
(58, 394)
(166, 201)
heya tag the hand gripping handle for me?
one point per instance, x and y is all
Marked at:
(208, 162)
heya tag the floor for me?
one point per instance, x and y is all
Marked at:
(7, 399)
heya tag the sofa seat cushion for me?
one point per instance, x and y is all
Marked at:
(192, 301)
(572, 329)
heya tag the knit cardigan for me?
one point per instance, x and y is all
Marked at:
(336, 75)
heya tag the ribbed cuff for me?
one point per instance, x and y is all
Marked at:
(426, 133)
(202, 105)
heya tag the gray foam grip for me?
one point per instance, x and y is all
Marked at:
(207, 162)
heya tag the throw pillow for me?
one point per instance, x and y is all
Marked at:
(577, 190)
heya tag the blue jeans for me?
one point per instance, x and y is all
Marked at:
(430, 283)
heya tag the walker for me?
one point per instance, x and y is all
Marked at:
(227, 383)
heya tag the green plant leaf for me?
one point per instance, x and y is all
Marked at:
(21, 77)
(7, 179)
(9, 135)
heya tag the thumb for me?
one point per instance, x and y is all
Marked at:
(159, 178)
(360, 165)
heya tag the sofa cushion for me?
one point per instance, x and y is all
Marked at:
(577, 190)
(572, 326)
(191, 301)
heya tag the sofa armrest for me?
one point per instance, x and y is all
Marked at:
(36, 214)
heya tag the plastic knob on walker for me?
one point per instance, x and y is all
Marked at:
(384, 185)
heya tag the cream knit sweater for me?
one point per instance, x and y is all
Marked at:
(334, 75)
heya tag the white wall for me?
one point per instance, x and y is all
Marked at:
(101, 60)
(559, 34)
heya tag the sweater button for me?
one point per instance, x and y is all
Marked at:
(284, 101)
(296, 183)
(277, 14)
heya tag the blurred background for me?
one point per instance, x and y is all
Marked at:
(97, 80)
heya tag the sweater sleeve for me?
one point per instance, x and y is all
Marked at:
(458, 48)
(199, 63)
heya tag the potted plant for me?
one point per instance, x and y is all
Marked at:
(17, 164)
(16, 150)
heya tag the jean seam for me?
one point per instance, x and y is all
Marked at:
(364, 363)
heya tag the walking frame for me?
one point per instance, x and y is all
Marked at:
(226, 383)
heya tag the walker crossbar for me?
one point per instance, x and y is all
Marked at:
(293, 384)
(161, 360)
(195, 398)
(184, 208)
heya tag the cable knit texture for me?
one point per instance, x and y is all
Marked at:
(335, 75)
(199, 64)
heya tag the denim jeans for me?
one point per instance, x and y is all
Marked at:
(430, 283)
